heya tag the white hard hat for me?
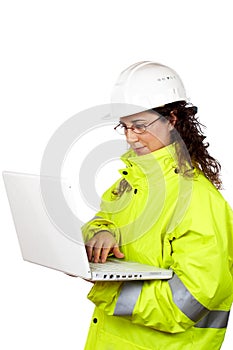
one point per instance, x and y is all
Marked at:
(148, 85)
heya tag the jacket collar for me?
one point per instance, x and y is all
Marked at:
(152, 164)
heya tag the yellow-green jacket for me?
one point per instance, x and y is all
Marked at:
(170, 221)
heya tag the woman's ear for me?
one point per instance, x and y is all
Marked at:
(173, 118)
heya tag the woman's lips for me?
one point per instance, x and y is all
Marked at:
(139, 150)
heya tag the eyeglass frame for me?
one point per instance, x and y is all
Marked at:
(132, 127)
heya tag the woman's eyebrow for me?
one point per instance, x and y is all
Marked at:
(133, 121)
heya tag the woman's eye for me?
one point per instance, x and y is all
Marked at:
(139, 126)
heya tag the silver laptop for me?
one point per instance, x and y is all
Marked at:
(42, 242)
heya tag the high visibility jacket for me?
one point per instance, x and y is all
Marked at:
(172, 221)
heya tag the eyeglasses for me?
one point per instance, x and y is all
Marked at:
(137, 128)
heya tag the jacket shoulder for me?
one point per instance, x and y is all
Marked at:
(207, 210)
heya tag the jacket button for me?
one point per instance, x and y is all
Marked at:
(135, 191)
(176, 171)
(95, 320)
(125, 172)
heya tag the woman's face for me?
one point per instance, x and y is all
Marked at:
(155, 137)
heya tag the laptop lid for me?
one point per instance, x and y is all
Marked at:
(41, 242)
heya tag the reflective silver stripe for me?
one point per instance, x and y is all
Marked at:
(185, 301)
(128, 298)
(214, 319)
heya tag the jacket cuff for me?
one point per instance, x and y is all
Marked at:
(100, 224)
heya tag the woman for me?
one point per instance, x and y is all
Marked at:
(166, 211)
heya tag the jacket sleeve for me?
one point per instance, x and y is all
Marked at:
(103, 219)
(200, 290)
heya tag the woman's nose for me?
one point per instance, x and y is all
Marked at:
(131, 136)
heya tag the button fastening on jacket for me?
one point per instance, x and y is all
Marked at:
(95, 320)
(125, 172)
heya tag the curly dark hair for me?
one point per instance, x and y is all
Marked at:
(191, 148)
(188, 130)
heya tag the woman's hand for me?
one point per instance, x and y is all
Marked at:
(99, 246)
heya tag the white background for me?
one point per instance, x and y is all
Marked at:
(61, 57)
